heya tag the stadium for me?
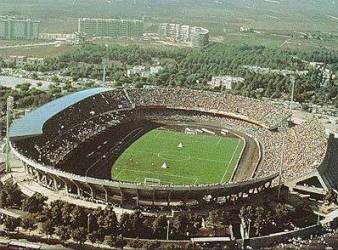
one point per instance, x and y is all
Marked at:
(170, 147)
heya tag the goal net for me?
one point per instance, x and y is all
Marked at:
(189, 131)
(151, 181)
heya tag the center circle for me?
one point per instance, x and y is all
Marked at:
(173, 156)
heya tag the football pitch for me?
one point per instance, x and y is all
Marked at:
(177, 158)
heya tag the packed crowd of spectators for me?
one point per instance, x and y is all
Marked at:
(57, 148)
(301, 148)
(87, 109)
(97, 153)
(304, 145)
(76, 124)
(262, 112)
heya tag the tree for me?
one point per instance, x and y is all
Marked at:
(66, 213)
(120, 242)
(92, 237)
(47, 228)
(63, 232)
(79, 235)
(11, 223)
(55, 212)
(173, 247)
(160, 227)
(331, 196)
(78, 217)
(10, 195)
(137, 226)
(109, 240)
(214, 219)
(191, 246)
(107, 221)
(180, 224)
(246, 216)
(281, 211)
(24, 87)
(125, 225)
(3, 197)
(33, 204)
(154, 245)
(259, 221)
(28, 222)
(136, 244)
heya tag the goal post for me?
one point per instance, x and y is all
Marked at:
(151, 181)
(189, 131)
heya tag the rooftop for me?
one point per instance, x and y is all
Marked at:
(32, 123)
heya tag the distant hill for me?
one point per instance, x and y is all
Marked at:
(217, 15)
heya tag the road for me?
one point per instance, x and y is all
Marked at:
(29, 45)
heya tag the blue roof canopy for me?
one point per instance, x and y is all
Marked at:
(32, 123)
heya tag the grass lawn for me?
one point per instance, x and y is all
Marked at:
(202, 159)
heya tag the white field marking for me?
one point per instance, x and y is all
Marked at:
(219, 140)
(190, 136)
(93, 165)
(166, 182)
(157, 173)
(273, 17)
(333, 17)
(202, 159)
(157, 133)
(191, 158)
(169, 155)
(117, 176)
(208, 131)
(232, 157)
(195, 181)
(90, 154)
(272, 1)
(179, 176)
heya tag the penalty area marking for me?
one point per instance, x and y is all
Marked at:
(117, 176)
(232, 157)
(165, 156)
(219, 140)
(156, 173)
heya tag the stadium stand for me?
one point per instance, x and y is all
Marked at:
(328, 168)
(79, 126)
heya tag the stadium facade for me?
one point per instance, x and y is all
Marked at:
(19, 29)
(98, 27)
(58, 143)
(197, 36)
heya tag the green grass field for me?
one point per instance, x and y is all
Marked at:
(202, 159)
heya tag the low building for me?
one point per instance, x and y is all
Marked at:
(199, 37)
(17, 60)
(22, 60)
(245, 29)
(228, 82)
(35, 60)
(98, 27)
(12, 28)
(283, 72)
(136, 70)
(196, 36)
(155, 70)
(144, 71)
(58, 37)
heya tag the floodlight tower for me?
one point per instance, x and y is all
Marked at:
(104, 66)
(10, 104)
(283, 128)
(292, 80)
